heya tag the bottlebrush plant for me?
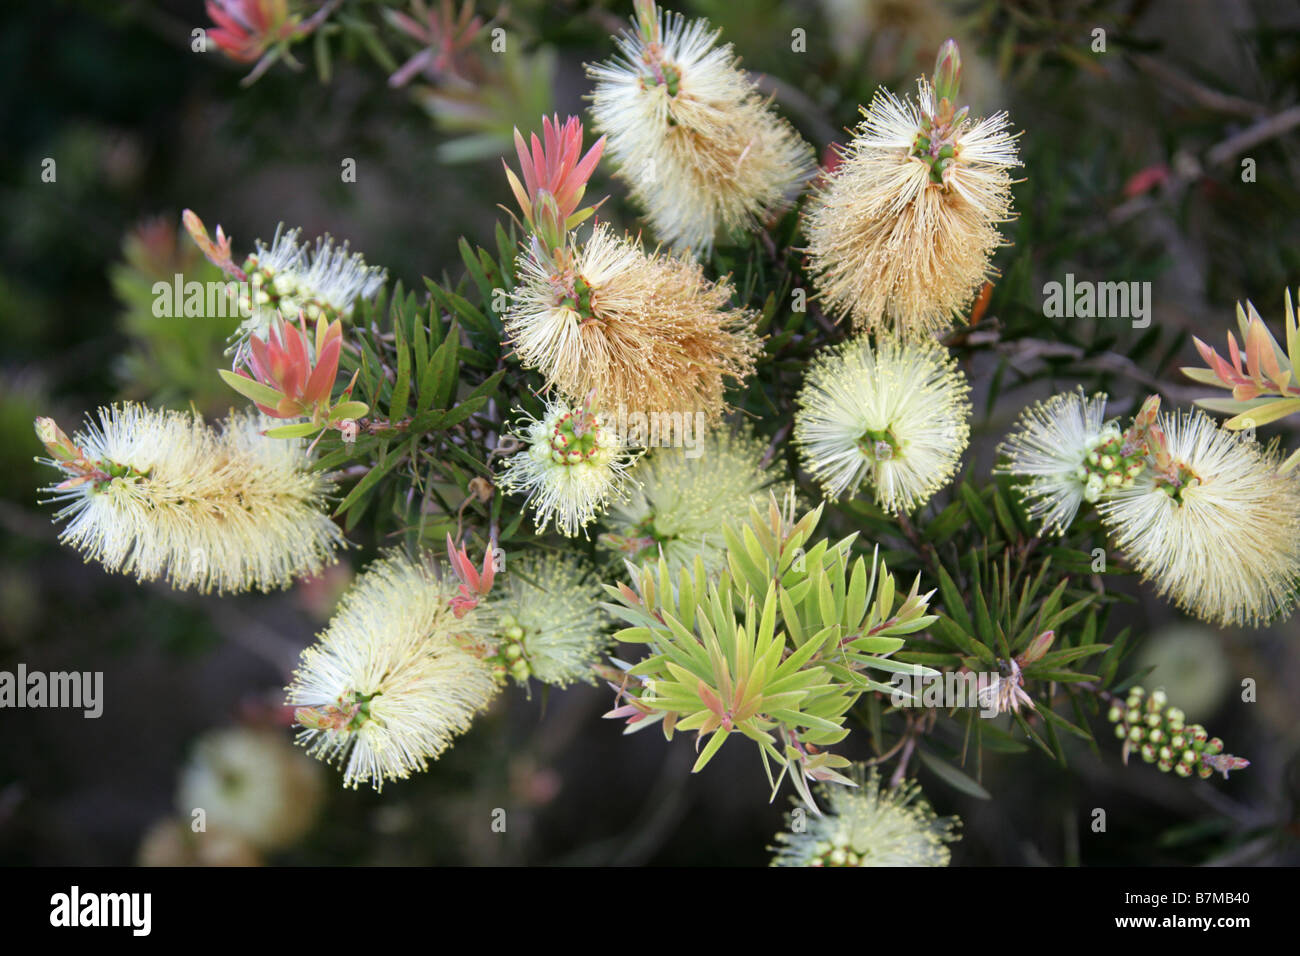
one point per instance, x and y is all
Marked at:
(720, 443)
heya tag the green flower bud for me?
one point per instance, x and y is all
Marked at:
(1183, 770)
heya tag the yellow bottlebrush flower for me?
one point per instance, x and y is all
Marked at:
(900, 234)
(647, 332)
(161, 494)
(869, 826)
(687, 496)
(548, 619)
(1212, 522)
(573, 463)
(698, 145)
(894, 416)
(394, 677)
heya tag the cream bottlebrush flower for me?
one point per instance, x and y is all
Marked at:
(572, 464)
(894, 416)
(252, 783)
(394, 677)
(1212, 522)
(698, 145)
(901, 233)
(686, 498)
(161, 494)
(647, 332)
(870, 826)
(289, 278)
(1069, 454)
(548, 620)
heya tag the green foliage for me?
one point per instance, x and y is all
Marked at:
(778, 648)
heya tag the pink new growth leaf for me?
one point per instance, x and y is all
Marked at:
(552, 165)
(474, 584)
(284, 364)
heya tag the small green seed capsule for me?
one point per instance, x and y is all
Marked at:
(1114, 714)
(1214, 746)
(1205, 771)
(1183, 770)
(1188, 757)
(1149, 753)
(1135, 734)
(1165, 766)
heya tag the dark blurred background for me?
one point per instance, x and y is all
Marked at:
(1122, 181)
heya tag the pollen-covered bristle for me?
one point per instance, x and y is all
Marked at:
(394, 677)
(869, 825)
(698, 145)
(646, 332)
(567, 479)
(891, 247)
(1224, 543)
(894, 416)
(686, 496)
(204, 509)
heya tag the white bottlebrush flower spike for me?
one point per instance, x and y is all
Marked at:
(894, 416)
(289, 277)
(1068, 452)
(1218, 530)
(685, 499)
(698, 144)
(160, 494)
(548, 619)
(901, 233)
(869, 826)
(395, 676)
(572, 464)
